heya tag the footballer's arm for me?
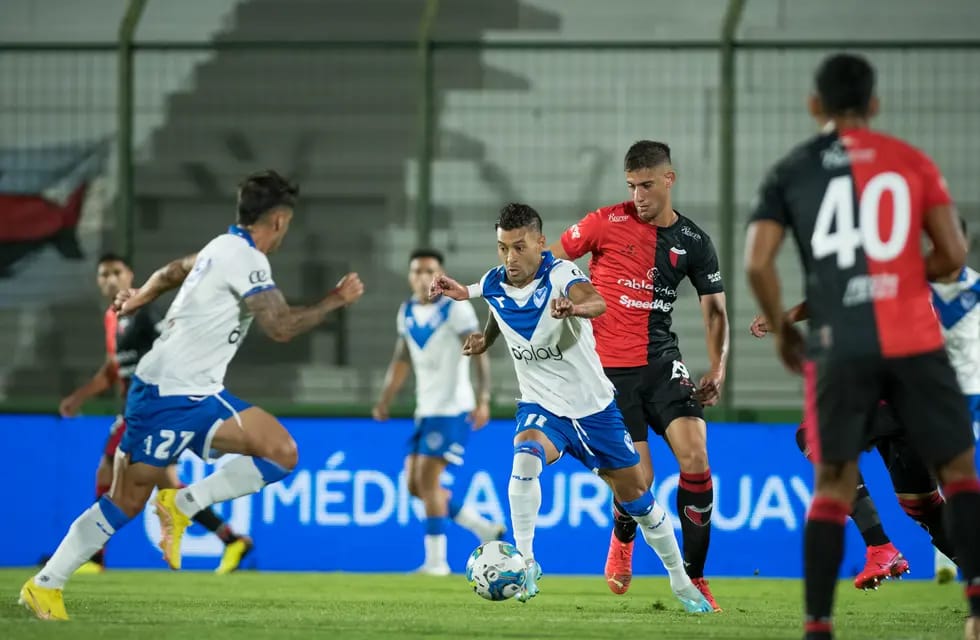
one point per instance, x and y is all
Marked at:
(282, 322)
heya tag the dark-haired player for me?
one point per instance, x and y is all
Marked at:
(430, 341)
(541, 306)
(127, 339)
(641, 251)
(857, 202)
(177, 399)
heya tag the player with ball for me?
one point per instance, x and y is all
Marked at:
(543, 306)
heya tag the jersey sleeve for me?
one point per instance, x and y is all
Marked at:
(478, 290)
(704, 272)
(462, 318)
(400, 320)
(583, 237)
(250, 273)
(565, 274)
(769, 202)
(935, 189)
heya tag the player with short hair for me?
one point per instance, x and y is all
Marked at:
(641, 251)
(430, 339)
(177, 398)
(127, 339)
(955, 296)
(857, 202)
(542, 306)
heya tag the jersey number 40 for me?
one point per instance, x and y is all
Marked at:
(837, 233)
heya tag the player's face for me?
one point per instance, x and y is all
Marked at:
(520, 253)
(113, 277)
(421, 273)
(650, 189)
(280, 226)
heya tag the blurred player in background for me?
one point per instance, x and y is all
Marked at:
(857, 202)
(955, 297)
(177, 399)
(127, 339)
(641, 251)
(430, 340)
(542, 306)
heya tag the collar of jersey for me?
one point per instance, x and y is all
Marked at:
(241, 232)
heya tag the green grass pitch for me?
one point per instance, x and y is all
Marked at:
(200, 606)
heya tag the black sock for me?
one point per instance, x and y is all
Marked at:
(929, 512)
(624, 526)
(823, 551)
(865, 516)
(213, 523)
(963, 522)
(695, 500)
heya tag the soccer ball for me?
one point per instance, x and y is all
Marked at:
(496, 571)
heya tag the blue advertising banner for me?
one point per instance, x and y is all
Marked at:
(346, 506)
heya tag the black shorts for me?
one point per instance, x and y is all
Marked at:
(843, 396)
(655, 395)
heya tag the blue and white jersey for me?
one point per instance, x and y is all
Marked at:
(959, 314)
(208, 319)
(556, 362)
(433, 334)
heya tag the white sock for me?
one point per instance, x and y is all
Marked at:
(476, 524)
(658, 531)
(435, 550)
(86, 535)
(524, 491)
(238, 478)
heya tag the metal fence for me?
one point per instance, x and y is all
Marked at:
(405, 143)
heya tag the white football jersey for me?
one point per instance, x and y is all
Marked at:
(433, 333)
(959, 314)
(208, 319)
(556, 362)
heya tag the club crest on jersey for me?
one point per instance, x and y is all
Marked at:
(539, 297)
(675, 254)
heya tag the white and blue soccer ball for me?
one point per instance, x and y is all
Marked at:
(496, 570)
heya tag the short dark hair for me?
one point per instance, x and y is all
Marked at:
(427, 253)
(646, 154)
(845, 83)
(261, 192)
(515, 215)
(110, 256)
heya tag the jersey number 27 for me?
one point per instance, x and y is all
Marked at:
(836, 232)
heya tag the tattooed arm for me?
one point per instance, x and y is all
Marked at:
(282, 322)
(168, 277)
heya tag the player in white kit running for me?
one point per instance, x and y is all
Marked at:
(430, 339)
(542, 307)
(955, 299)
(177, 398)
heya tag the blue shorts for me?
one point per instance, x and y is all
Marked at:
(441, 437)
(974, 402)
(599, 441)
(159, 428)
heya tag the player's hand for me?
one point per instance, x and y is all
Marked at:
(759, 328)
(789, 345)
(562, 308)
(127, 302)
(709, 388)
(380, 412)
(446, 286)
(350, 288)
(480, 416)
(69, 406)
(475, 344)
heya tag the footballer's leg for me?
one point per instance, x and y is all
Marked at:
(236, 546)
(428, 470)
(133, 483)
(619, 557)
(268, 454)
